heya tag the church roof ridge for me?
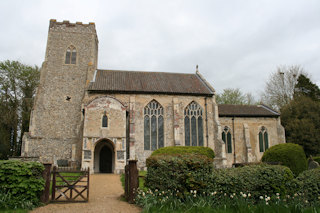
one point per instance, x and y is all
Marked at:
(139, 82)
(147, 71)
(233, 110)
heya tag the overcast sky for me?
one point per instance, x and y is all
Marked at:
(237, 44)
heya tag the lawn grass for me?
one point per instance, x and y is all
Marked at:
(141, 179)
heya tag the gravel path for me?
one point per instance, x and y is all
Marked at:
(105, 192)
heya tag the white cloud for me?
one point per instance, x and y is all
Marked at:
(235, 43)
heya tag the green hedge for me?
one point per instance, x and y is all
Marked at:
(22, 180)
(289, 154)
(178, 172)
(193, 172)
(185, 150)
(258, 180)
(308, 184)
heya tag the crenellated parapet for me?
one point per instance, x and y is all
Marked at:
(67, 26)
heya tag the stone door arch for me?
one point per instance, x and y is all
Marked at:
(104, 157)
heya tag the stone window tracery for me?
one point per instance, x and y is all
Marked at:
(71, 55)
(153, 126)
(227, 139)
(263, 139)
(193, 124)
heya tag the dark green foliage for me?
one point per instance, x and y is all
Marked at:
(21, 180)
(178, 172)
(18, 83)
(259, 180)
(308, 183)
(195, 172)
(306, 88)
(208, 204)
(8, 203)
(301, 120)
(289, 154)
(185, 150)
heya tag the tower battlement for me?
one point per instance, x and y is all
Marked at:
(67, 26)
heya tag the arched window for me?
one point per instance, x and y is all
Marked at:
(226, 137)
(71, 55)
(193, 125)
(153, 126)
(104, 120)
(263, 139)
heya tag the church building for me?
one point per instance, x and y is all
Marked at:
(100, 118)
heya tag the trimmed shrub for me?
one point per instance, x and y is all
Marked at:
(185, 150)
(258, 180)
(21, 180)
(178, 172)
(289, 154)
(308, 184)
(185, 173)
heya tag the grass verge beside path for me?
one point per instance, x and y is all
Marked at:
(141, 179)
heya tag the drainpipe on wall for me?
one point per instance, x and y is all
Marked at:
(127, 136)
(234, 142)
(207, 136)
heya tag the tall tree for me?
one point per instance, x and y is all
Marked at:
(234, 96)
(17, 88)
(301, 120)
(279, 88)
(305, 87)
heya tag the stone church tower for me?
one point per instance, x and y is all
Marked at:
(71, 58)
(100, 118)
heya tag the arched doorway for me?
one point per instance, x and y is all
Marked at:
(105, 164)
(104, 157)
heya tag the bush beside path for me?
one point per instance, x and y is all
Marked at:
(105, 192)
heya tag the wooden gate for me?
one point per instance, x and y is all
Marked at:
(70, 185)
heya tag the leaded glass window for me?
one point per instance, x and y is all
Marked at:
(71, 55)
(227, 139)
(153, 126)
(263, 139)
(193, 125)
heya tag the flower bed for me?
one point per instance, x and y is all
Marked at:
(257, 188)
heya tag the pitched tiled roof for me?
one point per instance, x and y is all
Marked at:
(228, 110)
(149, 82)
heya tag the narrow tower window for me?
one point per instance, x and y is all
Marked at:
(71, 55)
(105, 120)
(193, 125)
(263, 139)
(153, 126)
(226, 137)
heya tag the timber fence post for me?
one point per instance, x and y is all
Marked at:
(126, 182)
(46, 174)
(133, 180)
(53, 195)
